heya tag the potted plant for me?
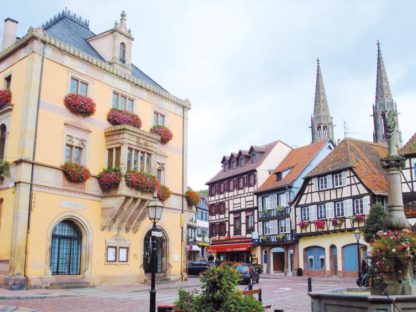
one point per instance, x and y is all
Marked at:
(118, 117)
(192, 197)
(109, 179)
(359, 217)
(319, 224)
(163, 193)
(75, 173)
(281, 236)
(164, 133)
(279, 209)
(303, 224)
(264, 238)
(338, 221)
(392, 255)
(5, 97)
(79, 104)
(141, 181)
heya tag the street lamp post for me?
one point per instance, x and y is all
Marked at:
(357, 236)
(154, 210)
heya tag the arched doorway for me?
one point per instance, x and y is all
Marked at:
(278, 255)
(161, 253)
(333, 256)
(66, 249)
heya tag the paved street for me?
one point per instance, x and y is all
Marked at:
(287, 293)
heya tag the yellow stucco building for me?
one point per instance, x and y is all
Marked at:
(53, 231)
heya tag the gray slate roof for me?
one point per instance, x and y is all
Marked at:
(74, 31)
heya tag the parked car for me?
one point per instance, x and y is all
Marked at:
(249, 274)
(198, 267)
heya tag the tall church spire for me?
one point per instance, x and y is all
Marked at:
(321, 122)
(383, 101)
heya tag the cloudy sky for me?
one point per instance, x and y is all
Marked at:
(249, 67)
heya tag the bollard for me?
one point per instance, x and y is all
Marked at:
(309, 284)
(279, 310)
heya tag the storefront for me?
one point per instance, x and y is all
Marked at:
(232, 252)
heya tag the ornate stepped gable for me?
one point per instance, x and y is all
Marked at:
(383, 101)
(321, 122)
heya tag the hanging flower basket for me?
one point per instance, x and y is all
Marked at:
(338, 221)
(4, 169)
(264, 238)
(164, 133)
(117, 117)
(303, 224)
(281, 236)
(5, 97)
(79, 104)
(163, 193)
(109, 179)
(75, 173)
(358, 217)
(140, 181)
(319, 224)
(192, 197)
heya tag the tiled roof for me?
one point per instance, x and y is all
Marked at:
(249, 166)
(74, 31)
(410, 147)
(363, 157)
(297, 160)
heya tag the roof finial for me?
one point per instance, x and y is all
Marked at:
(317, 61)
(123, 21)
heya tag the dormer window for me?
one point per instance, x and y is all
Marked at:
(279, 176)
(233, 164)
(123, 53)
(253, 157)
(224, 166)
(241, 162)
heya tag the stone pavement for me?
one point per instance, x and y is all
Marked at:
(15, 309)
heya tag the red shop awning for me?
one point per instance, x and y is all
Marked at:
(230, 247)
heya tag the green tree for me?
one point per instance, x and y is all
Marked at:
(375, 222)
(219, 293)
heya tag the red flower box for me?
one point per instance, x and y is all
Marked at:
(140, 181)
(192, 197)
(5, 97)
(358, 217)
(79, 104)
(320, 224)
(164, 133)
(75, 173)
(117, 117)
(163, 193)
(303, 224)
(109, 179)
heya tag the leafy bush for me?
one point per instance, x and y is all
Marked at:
(219, 293)
(4, 168)
(192, 197)
(376, 221)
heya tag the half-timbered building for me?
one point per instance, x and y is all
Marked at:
(408, 151)
(232, 203)
(333, 201)
(276, 229)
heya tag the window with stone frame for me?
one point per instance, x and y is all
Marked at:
(114, 157)
(122, 57)
(74, 149)
(158, 119)
(138, 160)
(160, 172)
(78, 86)
(8, 82)
(122, 102)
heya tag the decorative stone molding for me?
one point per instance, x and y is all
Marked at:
(117, 240)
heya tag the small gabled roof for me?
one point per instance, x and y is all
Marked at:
(258, 149)
(409, 148)
(248, 167)
(297, 160)
(244, 153)
(362, 157)
(224, 159)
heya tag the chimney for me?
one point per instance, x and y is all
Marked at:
(9, 32)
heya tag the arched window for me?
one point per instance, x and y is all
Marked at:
(161, 253)
(2, 140)
(123, 52)
(66, 249)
